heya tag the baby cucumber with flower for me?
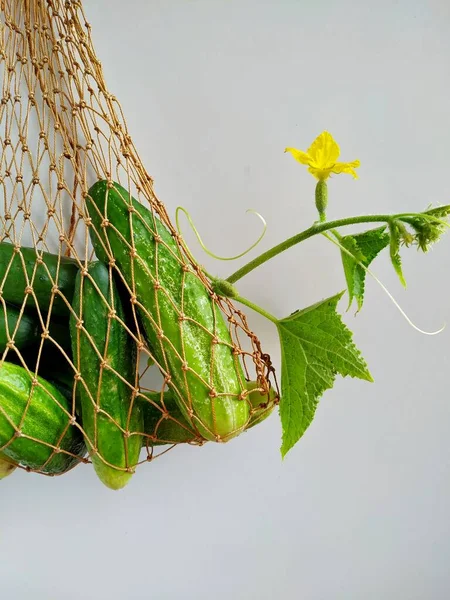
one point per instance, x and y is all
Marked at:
(184, 328)
(36, 425)
(105, 357)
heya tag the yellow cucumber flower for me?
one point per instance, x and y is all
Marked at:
(321, 158)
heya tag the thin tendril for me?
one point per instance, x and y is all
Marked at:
(384, 288)
(194, 229)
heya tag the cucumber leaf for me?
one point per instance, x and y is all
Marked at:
(364, 248)
(315, 347)
(396, 260)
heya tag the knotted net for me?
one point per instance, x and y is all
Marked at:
(61, 132)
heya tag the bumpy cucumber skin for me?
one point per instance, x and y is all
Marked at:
(105, 388)
(13, 284)
(216, 418)
(177, 430)
(44, 421)
(173, 430)
(28, 332)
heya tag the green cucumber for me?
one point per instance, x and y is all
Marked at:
(22, 330)
(43, 417)
(184, 328)
(106, 401)
(164, 423)
(48, 362)
(41, 271)
(262, 406)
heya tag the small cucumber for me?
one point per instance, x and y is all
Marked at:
(164, 423)
(185, 330)
(49, 441)
(41, 271)
(103, 349)
(262, 406)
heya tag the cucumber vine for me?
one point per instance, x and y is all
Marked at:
(315, 343)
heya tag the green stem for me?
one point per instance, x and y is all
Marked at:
(256, 308)
(336, 234)
(304, 235)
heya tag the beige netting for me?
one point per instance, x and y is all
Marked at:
(61, 131)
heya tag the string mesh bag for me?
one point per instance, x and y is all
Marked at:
(98, 291)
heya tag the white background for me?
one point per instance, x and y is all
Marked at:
(213, 91)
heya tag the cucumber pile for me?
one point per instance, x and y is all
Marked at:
(69, 385)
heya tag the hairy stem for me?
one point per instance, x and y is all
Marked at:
(304, 235)
(256, 308)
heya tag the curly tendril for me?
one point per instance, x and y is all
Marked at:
(195, 230)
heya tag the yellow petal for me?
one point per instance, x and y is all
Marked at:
(347, 168)
(320, 174)
(299, 155)
(324, 151)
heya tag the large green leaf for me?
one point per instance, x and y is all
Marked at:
(363, 248)
(315, 347)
